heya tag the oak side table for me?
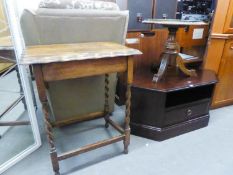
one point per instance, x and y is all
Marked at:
(69, 61)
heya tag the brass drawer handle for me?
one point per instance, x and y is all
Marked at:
(189, 112)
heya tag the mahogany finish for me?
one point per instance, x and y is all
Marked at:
(172, 81)
(170, 107)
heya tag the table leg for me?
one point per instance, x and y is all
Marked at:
(162, 69)
(21, 88)
(127, 119)
(106, 105)
(182, 67)
(128, 104)
(50, 137)
(48, 127)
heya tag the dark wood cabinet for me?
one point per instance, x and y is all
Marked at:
(171, 107)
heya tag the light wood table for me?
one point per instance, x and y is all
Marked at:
(69, 61)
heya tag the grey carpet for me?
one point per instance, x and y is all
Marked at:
(16, 139)
(206, 151)
(13, 139)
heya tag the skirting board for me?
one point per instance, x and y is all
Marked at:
(160, 134)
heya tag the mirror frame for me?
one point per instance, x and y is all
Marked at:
(18, 45)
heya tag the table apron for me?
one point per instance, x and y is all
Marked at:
(84, 68)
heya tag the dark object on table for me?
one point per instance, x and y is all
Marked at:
(171, 107)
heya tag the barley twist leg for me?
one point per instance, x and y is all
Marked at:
(50, 137)
(127, 119)
(106, 105)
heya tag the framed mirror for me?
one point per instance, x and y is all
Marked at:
(19, 133)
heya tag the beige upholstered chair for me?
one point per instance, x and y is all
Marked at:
(75, 98)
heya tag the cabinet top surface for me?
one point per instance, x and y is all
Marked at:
(42, 54)
(173, 22)
(174, 82)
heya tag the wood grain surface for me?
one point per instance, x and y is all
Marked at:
(70, 52)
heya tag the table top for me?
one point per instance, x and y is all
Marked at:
(173, 82)
(173, 22)
(42, 54)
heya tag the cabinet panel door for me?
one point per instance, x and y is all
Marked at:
(167, 7)
(228, 28)
(143, 7)
(224, 89)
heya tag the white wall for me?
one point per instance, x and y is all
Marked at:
(22, 4)
(122, 4)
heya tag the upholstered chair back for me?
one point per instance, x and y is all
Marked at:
(57, 25)
(53, 26)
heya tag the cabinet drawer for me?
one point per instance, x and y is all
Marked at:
(185, 112)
